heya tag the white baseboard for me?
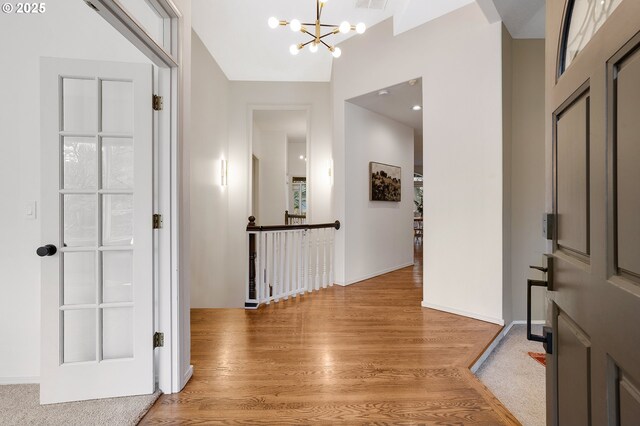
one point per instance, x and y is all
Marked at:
(534, 322)
(187, 376)
(476, 366)
(484, 318)
(19, 380)
(375, 274)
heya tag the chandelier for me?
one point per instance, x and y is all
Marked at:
(317, 38)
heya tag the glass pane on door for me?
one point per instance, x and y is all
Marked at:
(79, 109)
(587, 16)
(117, 163)
(117, 106)
(117, 220)
(117, 278)
(117, 333)
(79, 334)
(80, 222)
(79, 163)
(79, 269)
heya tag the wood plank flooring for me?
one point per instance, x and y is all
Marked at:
(363, 354)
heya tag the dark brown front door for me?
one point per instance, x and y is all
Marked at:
(593, 113)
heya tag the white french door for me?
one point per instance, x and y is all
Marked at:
(97, 265)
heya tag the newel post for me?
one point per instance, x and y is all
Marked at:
(252, 265)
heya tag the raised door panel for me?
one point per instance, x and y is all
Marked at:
(572, 177)
(628, 164)
(629, 406)
(574, 366)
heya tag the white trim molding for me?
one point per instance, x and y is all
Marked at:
(19, 380)
(375, 274)
(187, 375)
(485, 355)
(484, 318)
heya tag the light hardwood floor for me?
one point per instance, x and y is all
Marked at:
(363, 354)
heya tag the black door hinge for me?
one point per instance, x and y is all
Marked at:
(157, 221)
(157, 103)
(158, 340)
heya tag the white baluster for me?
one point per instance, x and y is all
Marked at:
(283, 255)
(274, 280)
(272, 266)
(294, 262)
(324, 257)
(332, 234)
(263, 265)
(301, 286)
(309, 271)
(317, 245)
(290, 261)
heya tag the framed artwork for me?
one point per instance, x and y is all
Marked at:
(384, 182)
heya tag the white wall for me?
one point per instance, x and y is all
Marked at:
(458, 57)
(69, 29)
(296, 166)
(380, 234)
(270, 147)
(209, 200)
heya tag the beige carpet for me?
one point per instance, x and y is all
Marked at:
(19, 405)
(515, 378)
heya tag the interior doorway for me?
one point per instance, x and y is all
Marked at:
(279, 166)
(402, 103)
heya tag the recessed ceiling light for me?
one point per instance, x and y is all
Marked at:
(383, 92)
(416, 107)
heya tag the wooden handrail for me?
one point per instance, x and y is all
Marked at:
(255, 228)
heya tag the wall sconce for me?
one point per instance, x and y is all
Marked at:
(223, 172)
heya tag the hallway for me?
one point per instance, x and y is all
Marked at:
(366, 353)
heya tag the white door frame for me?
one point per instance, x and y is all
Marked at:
(170, 303)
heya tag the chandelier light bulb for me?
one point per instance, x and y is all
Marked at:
(313, 47)
(295, 25)
(294, 49)
(273, 22)
(336, 52)
(345, 27)
(323, 1)
(361, 28)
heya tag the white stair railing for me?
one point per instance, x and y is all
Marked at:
(288, 260)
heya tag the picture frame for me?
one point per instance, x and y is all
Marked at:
(385, 182)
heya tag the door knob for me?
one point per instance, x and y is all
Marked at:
(46, 250)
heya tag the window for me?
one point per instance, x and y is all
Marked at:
(299, 187)
(582, 21)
